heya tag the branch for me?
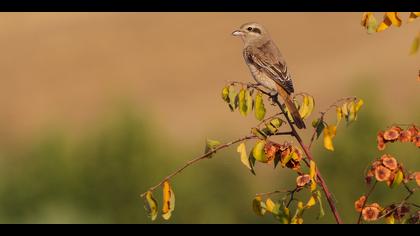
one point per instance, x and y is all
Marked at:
(364, 203)
(197, 159)
(323, 113)
(273, 192)
(310, 157)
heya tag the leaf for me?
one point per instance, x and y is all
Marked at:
(168, 201)
(312, 174)
(319, 125)
(345, 110)
(258, 206)
(287, 158)
(390, 219)
(415, 45)
(413, 16)
(307, 106)
(297, 218)
(242, 102)
(276, 122)
(151, 206)
(259, 107)
(271, 128)
(258, 151)
(272, 207)
(321, 208)
(395, 19)
(211, 145)
(329, 134)
(359, 105)
(225, 94)
(233, 98)
(352, 112)
(252, 160)
(249, 101)
(390, 18)
(397, 179)
(369, 22)
(260, 134)
(244, 156)
(310, 203)
(339, 112)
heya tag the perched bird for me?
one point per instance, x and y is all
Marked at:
(267, 65)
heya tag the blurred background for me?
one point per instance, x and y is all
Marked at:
(97, 107)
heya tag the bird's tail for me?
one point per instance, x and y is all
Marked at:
(292, 109)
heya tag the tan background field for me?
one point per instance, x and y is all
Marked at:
(70, 69)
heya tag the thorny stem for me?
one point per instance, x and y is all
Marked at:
(308, 154)
(203, 157)
(323, 113)
(366, 200)
(195, 160)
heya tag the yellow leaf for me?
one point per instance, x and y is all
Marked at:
(259, 108)
(270, 205)
(258, 152)
(390, 18)
(413, 16)
(168, 200)
(311, 202)
(394, 18)
(339, 114)
(415, 45)
(244, 157)
(359, 105)
(225, 94)
(242, 102)
(303, 109)
(390, 219)
(312, 174)
(344, 110)
(258, 206)
(329, 134)
(397, 179)
(150, 204)
(352, 111)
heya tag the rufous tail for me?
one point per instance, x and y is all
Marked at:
(292, 109)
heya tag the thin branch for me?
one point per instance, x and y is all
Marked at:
(308, 154)
(273, 192)
(401, 204)
(364, 203)
(250, 85)
(324, 112)
(195, 160)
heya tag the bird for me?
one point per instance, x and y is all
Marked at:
(268, 66)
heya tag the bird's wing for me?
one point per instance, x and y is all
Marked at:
(266, 59)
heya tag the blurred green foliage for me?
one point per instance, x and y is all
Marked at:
(97, 177)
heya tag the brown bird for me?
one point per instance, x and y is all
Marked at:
(267, 65)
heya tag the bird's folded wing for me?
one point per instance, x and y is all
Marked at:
(274, 68)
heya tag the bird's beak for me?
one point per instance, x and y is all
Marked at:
(238, 33)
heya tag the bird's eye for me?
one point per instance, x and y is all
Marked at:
(249, 28)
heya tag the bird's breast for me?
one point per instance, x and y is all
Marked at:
(262, 78)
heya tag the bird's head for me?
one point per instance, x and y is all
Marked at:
(252, 32)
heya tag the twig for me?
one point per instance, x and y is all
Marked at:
(250, 85)
(310, 157)
(366, 199)
(272, 193)
(195, 160)
(323, 113)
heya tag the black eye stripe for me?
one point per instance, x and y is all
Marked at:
(256, 30)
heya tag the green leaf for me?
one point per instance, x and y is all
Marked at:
(258, 206)
(397, 179)
(321, 208)
(259, 107)
(233, 98)
(151, 206)
(284, 214)
(242, 102)
(276, 122)
(258, 151)
(258, 133)
(249, 101)
(225, 94)
(319, 125)
(252, 160)
(211, 145)
(244, 156)
(272, 129)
